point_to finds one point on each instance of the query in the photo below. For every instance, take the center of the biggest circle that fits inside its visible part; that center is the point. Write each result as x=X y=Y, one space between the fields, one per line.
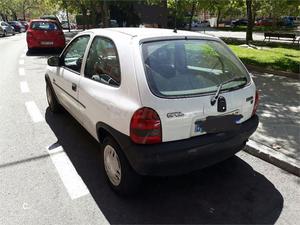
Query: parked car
x=204 y=23
x=17 y=25
x=65 y=25
x=264 y=22
x=52 y=17
x=45 y=34
x=6 y=29
x=287 y=21
x=157 y=106
x=240 y=22
x=25 y=24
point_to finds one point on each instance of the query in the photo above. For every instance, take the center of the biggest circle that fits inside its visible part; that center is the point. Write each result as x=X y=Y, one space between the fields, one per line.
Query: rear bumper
x=179 y=157
x=32 y=43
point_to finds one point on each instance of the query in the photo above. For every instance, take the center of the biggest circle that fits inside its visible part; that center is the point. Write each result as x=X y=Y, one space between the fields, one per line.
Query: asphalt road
x=40 y=184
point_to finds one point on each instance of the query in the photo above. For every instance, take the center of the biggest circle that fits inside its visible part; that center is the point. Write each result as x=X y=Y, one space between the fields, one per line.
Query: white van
x=160 y=102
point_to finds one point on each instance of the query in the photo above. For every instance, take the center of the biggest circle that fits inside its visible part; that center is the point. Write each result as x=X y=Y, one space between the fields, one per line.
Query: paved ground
x=35 y=189
x=279 y=112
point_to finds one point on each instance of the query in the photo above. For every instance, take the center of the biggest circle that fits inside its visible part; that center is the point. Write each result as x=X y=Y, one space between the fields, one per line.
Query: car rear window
x=40 y=25
x=190 y=67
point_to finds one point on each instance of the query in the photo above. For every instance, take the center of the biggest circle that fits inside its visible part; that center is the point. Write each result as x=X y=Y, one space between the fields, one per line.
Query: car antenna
x=175 y=19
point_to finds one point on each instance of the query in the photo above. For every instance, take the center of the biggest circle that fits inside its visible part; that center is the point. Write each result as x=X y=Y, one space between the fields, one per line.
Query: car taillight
x=255 y=103
x=145 y=127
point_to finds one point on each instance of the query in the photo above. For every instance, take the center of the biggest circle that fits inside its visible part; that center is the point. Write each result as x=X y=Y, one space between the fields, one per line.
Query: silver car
x=6 y=29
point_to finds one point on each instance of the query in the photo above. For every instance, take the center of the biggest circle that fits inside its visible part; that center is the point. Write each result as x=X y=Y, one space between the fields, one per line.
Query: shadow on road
x=230 y=192
x=44 y=53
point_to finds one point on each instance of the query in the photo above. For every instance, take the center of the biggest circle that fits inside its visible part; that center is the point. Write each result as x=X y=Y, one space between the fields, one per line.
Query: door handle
x=74 y=87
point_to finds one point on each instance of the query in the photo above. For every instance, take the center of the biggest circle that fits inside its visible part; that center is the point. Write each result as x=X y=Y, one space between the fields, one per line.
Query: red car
x=45 y=34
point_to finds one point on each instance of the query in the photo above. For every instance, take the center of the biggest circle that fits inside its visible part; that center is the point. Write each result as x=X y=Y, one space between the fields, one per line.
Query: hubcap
x=112 y=165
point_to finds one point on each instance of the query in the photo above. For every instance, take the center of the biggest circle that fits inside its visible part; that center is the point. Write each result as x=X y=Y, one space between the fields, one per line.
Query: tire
x=119 y=174
x=52 y=99
x=4 y=34
x=13 y=33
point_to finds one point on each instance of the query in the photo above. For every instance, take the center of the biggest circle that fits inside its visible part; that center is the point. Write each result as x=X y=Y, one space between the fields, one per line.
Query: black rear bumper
x=178 y=157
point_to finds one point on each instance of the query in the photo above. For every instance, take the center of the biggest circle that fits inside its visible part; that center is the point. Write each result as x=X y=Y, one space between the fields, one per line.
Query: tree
x=250 y=21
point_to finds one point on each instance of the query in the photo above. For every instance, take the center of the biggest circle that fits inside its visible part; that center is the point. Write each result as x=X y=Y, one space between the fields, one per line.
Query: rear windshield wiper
x=216 y=96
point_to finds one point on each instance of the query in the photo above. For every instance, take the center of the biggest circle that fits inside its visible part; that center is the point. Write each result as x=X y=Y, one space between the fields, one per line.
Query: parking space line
x=21 y=61
x=34 y=112
x=21 y=71
x=72 y=181
x=23 y=56
x=24 y=87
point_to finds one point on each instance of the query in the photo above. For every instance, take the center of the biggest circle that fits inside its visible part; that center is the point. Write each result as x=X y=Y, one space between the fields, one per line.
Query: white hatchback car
x=160 y=103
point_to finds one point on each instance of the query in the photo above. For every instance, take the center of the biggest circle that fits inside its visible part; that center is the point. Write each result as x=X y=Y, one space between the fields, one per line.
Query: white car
x=160 y=102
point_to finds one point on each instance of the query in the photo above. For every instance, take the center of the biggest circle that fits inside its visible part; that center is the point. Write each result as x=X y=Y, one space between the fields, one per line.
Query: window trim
x=63 y=54
x=117 y=54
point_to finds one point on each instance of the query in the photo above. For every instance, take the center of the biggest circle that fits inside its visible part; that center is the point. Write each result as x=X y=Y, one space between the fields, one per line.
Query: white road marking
x=23 y=56
x=24 y=87
x=21 y=71
x=21 y=61
x=34 y=112
x=68 y=174
x=25 y=50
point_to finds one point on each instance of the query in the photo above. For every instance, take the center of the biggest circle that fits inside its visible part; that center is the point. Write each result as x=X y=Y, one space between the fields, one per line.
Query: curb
x=272 y=156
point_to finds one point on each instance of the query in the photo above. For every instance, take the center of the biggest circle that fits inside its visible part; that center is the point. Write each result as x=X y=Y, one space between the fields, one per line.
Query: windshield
x=190 y=67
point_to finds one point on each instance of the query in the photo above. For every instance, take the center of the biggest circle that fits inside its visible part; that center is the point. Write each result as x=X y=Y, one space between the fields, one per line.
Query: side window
x=102 y=64
x=74 y=54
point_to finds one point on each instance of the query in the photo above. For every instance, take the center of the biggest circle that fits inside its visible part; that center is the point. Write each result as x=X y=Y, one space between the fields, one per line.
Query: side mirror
x=54 y=61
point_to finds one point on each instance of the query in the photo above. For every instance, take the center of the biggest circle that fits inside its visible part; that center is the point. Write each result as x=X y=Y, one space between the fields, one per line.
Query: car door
x=99 y=86
x=68 y=76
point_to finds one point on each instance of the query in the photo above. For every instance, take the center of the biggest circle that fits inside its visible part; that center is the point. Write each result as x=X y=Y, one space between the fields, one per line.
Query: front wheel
x=121 y=177
x=4 y=34
x=52 y=101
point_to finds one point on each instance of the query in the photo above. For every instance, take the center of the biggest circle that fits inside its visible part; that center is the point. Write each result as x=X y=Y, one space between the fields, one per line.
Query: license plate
x=47 y=43
x=216 y=124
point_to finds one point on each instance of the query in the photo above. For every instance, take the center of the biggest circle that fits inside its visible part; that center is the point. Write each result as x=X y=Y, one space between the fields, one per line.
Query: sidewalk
x=277 y=138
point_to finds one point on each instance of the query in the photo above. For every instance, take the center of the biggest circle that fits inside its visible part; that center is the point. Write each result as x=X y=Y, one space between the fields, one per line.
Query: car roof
x=43 y=20
x=146 y=33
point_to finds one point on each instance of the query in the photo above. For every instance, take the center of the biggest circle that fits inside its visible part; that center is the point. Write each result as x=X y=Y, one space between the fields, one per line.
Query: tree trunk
x=218 y=17
x=105 y=14
x=250 y=22
x=192 y=15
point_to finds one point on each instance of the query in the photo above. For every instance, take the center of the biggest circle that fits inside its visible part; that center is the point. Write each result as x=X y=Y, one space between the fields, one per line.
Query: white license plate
x=47 y=43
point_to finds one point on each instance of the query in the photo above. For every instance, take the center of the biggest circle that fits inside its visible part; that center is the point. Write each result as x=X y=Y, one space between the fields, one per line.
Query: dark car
x=240 y=22
x=6 y=29
x=18 y=26
x=25 y=24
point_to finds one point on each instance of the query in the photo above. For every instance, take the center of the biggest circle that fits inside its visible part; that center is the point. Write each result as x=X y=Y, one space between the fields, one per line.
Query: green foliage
x=277 y=58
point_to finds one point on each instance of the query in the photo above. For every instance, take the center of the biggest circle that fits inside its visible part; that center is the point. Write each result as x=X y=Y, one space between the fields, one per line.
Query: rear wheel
x=121 y=177
x=52 y=101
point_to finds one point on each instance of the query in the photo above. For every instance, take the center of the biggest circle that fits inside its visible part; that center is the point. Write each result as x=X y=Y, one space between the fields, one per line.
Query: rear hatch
x=46 y=33
x=195 y=86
